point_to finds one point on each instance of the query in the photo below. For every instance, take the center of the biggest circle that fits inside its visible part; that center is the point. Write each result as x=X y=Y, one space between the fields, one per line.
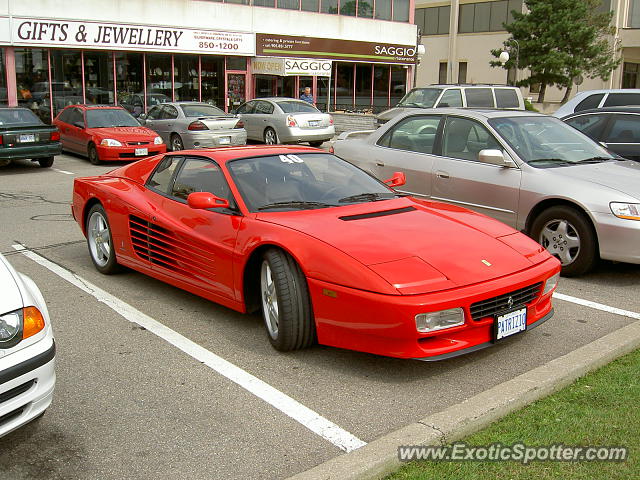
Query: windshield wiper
x=367 y=197
x=596 y=160
x=555 y=161
x=295 y=204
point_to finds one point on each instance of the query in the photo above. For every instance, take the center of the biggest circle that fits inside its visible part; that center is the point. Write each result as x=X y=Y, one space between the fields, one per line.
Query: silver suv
x=472 y=96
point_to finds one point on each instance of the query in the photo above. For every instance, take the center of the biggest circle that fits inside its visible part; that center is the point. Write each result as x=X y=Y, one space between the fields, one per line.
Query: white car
x=590 y=99
x=27 y=350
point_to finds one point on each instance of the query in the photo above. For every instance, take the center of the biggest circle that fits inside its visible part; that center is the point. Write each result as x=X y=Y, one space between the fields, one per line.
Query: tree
x=559 y=40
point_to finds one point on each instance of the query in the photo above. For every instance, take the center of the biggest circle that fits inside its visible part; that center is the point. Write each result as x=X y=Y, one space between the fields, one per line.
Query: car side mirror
x=495 y=157
x=397 y=180
x=142 y=117
x=204 y=200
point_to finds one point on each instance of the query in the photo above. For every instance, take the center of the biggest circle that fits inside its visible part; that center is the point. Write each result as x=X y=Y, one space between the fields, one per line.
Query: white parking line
x=597 y=306
x=287 y=405
x=62 y=171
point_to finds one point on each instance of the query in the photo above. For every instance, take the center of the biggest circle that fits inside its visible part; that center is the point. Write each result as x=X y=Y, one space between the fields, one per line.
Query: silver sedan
x=530 y=171
x=194 y=125
x=285 y=120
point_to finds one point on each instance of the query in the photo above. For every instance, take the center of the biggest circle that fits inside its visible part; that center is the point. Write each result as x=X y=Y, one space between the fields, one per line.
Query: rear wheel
x=316 y=144
x=100 y=241
x=569 y=236
x=176 y=142
x=286 y=305
x=93 y=155
x=45 y=162
x=270 y=136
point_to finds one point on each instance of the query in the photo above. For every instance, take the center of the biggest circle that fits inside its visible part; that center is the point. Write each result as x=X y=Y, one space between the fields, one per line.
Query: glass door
x=236 y=90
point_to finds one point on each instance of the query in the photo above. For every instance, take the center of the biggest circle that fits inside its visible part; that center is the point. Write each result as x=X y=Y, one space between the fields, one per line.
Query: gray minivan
x=472 y=96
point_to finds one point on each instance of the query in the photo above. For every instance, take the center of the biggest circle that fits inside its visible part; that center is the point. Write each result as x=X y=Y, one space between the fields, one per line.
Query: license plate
x=314 y=123
x=27 y=138
x=141 y=151
x=510 y=323
x=224 y=140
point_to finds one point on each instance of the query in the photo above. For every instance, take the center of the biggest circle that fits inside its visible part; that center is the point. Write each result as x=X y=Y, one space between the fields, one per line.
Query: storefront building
x=144 y=53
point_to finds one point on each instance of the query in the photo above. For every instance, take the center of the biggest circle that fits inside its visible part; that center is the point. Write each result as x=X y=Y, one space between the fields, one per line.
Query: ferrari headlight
x=110 y=142
x=629 y=211
x=551 y=284
x=157 y=141
x=429 y=322
x=10 y=327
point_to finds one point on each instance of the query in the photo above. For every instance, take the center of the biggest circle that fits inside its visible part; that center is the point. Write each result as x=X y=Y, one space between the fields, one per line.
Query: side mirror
x=397 y=180
x=142 y=117
x=204 y=200
x=495 y=157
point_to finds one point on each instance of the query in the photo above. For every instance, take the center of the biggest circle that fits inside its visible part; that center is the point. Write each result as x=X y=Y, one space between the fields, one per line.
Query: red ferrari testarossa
x=325 y=251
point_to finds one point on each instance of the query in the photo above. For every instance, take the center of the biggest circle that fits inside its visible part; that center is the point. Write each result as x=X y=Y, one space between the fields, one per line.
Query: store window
x=344 y=86
x=329 y=6
x=66 y=79
x=401 y=10
x=398 y=83
x=159 y=75
x=237 y=63
x=130 y=83
x=212 y=81
x=487 y=16
x=363 y=86
x=289 y=4
x=383 y=9
x=322 y=93
x=365 y=8
x=98 y=77
x=380 y=88
x=185 y=80
x=32 y=81
x=4 y=97
x=442 y=73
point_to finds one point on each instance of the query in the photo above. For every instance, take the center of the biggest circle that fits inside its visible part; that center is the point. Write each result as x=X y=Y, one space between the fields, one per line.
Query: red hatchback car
x=106 y=133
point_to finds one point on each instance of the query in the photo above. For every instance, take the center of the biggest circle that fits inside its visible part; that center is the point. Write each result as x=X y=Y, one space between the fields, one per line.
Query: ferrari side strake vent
x=491 y=306
x=162 y=247
x=382 y=213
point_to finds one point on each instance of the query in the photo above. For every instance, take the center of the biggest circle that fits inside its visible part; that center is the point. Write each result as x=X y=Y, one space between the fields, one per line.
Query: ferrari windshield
x=110 y=117
x=420 y=98
x=303 y=181
x=547 y=141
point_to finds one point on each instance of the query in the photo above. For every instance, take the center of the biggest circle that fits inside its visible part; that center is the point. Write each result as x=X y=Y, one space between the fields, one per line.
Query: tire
x=45 y=162
x=569 y=236
x=270 y=136
x=316 y=144
x=176 y=142
x=94 y=158
x=286 y=305
x=100 y=241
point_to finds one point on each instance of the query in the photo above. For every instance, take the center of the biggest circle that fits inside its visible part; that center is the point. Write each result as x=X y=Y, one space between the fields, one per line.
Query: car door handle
x=380 y=164
x=440 y=174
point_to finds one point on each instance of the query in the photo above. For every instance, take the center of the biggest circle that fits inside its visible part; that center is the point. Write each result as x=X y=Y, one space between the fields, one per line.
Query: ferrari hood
x=419 y=246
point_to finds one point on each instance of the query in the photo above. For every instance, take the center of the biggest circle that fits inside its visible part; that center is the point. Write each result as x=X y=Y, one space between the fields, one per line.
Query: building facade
x=459 y=34
x=137 y=53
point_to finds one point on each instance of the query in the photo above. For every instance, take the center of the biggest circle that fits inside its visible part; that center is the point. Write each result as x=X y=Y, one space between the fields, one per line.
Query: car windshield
x=547 y=141
x=303 y=181
x=18 y=116
x=294 y=106
x=420 y=98
x=110 y=117
x=203 y=110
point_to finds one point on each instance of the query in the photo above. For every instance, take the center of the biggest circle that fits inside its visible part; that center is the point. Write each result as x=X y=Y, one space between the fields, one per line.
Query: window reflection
x=383 y=9
x=129 y=82
x=212 y=81
x=66 y=84
x=32 y=81
x=186 y=78
x=98 y=77
x=159 y=74
x=4 y=98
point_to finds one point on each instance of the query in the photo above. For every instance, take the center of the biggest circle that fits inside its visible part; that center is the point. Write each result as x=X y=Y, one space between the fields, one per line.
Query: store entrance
x=236 y=90
x=274 y=86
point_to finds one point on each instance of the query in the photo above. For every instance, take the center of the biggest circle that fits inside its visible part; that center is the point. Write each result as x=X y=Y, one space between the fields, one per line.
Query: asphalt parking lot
x=138 y=402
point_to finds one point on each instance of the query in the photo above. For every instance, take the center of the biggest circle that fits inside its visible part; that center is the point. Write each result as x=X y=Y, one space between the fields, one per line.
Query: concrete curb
x=379 y=458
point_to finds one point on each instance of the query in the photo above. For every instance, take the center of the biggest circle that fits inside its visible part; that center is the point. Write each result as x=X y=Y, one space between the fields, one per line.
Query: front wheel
x=45 y=162
x=94 y=158
x=270 y=136
x=176 y=142
x=568 y=235
x=100 y=241
x=286 y=305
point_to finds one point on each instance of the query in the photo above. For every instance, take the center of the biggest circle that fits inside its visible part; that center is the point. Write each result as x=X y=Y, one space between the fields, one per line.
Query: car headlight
x=429 y=322
x=110 y=142
x=629 y=211
x=157 y=140
x=551 y=284
x=19 y=324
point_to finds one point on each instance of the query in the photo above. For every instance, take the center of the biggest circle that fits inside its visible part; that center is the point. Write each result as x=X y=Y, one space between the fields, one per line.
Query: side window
x=161 y=178
x=464 y=138
x=625 y=129
x=414 y=134
x=154 y=113
x=591 y=125
x=451 y=98
x=169 y=112
x=64 y=116
x=620 y=99
x=506 y=98
x=76 y=117
x=592 y=101
x=246 y=108
x=479 y=97
x=200 y=175
x=264 y=108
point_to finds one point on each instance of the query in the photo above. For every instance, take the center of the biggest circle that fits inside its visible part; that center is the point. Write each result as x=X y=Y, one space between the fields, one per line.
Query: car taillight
x=291 y=121
x=197 y=125
x=330 y=120
x=240 y=124
x=55 y=136
x=1 y=140
x=331 y=149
